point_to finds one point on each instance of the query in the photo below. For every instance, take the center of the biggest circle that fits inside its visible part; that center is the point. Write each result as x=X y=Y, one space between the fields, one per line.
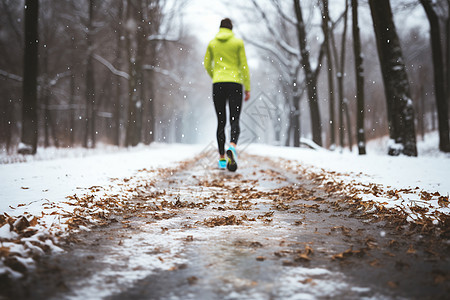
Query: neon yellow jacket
x=225 y=59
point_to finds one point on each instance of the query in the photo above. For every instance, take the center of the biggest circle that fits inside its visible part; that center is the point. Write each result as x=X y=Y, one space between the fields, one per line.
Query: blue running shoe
x=222 y=164
x=232 y=159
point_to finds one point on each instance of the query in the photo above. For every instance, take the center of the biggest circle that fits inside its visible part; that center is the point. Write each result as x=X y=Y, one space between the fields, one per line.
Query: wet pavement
x=262 y=232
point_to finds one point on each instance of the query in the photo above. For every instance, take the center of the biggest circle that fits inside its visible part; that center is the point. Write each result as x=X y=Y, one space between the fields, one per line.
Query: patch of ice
x=305 y=283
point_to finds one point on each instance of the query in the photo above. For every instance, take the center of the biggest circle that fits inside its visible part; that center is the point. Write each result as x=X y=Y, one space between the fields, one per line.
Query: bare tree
x=90 y=133
x=439 y=75
x=72 y=96
x=134 y=64
x=447 y=34
x=310 y=75
x=118 y=79
x=340 y=74
x=288 y=64
x=399 y=103
x=29 y=104
x=327 y=32
x=359 y=74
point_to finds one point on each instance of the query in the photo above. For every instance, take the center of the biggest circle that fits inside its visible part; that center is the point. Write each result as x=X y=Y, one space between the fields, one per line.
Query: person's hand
x=247 y=95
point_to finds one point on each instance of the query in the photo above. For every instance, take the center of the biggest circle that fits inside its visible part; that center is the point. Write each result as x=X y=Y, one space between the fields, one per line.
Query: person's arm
x=245 y=71
x=207 y=62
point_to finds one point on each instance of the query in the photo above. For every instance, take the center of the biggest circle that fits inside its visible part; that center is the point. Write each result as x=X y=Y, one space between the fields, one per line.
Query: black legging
x=223 y=91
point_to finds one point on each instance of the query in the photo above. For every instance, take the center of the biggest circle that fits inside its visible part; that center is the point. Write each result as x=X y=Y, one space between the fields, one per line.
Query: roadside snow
x=42 y=198
x=417 y=186
x=29 y=186
x=427 y=173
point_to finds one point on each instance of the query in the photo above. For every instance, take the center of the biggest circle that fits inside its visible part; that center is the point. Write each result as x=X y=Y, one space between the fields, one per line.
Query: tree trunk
x=447 y=34
x=44 y=96
x=72 y=107
x=289 y=125
x=7 y=123
x=311 y=80
x=359 y=73
x=326 y=33
x=141 y=83
x=422 y=111
x=349 y=125
x=53 y=129
x=90 y=84
x=340 y=69
x=10 y=120
x=150 y=113
x=340 y=78
x=30 y=73
x=72 y=96
x=133 y=132
x=396 y=84
x=45 y=99
x=439 y=76
x=296 y=120
x=91 y=78
x=117 y=104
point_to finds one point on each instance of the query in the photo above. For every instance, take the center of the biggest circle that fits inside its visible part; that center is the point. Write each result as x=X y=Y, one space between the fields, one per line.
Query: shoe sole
x=231 y=163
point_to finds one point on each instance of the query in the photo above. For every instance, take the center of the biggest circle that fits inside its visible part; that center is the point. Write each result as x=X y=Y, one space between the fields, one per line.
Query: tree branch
x=111 y=67
x=285 y=46
x=163 y=71
x=11 y=76
x=282 y=14
x=269 y=49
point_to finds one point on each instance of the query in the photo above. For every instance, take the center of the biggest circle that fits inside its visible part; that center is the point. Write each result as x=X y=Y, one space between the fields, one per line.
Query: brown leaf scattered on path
x=411 y=250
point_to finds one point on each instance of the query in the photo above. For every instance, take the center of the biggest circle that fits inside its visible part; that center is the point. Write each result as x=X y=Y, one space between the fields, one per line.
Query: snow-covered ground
x=54 y=174
x=43 y=180
x=394 y=182
x=51 y=184
x=429 y=172
x=54 y=194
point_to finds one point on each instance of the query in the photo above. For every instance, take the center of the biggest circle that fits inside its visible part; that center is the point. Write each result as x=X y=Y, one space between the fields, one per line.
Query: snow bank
x=417 y=186
x=41 y=199
x=29 y=186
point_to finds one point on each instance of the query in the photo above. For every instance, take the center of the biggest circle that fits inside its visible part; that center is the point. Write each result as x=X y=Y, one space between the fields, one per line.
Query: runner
x=226 y=63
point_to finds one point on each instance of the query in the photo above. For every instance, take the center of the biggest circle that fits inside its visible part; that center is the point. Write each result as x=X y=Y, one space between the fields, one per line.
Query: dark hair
x=226 y=23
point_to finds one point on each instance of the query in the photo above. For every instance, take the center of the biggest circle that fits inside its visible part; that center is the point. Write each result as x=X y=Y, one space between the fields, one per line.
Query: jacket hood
x=224 y=34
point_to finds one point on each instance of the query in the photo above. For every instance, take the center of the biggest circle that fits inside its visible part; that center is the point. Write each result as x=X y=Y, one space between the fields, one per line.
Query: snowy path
x=260 y=233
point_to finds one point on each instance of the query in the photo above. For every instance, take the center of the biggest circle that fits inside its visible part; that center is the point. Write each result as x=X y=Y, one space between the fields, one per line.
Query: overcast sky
x=203 y=17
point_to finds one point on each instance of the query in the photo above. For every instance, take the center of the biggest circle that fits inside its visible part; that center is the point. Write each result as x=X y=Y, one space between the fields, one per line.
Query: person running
x=226 y=64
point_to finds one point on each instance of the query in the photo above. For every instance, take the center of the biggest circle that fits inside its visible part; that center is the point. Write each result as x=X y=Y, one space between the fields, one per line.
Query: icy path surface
x=260 y=233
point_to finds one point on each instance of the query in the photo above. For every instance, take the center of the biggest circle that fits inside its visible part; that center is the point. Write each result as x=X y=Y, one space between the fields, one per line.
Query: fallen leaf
x=443 y=201
x=344 y=254
x=192 y=280
x=392 y=284
x=309 y=250
x=288 y=263
x=411 y=250
x=302 y=257
x=375 y=263
x=393 y=243
x=389 y=254
x=308 y=281
x=34 y=221
x=439 y=278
